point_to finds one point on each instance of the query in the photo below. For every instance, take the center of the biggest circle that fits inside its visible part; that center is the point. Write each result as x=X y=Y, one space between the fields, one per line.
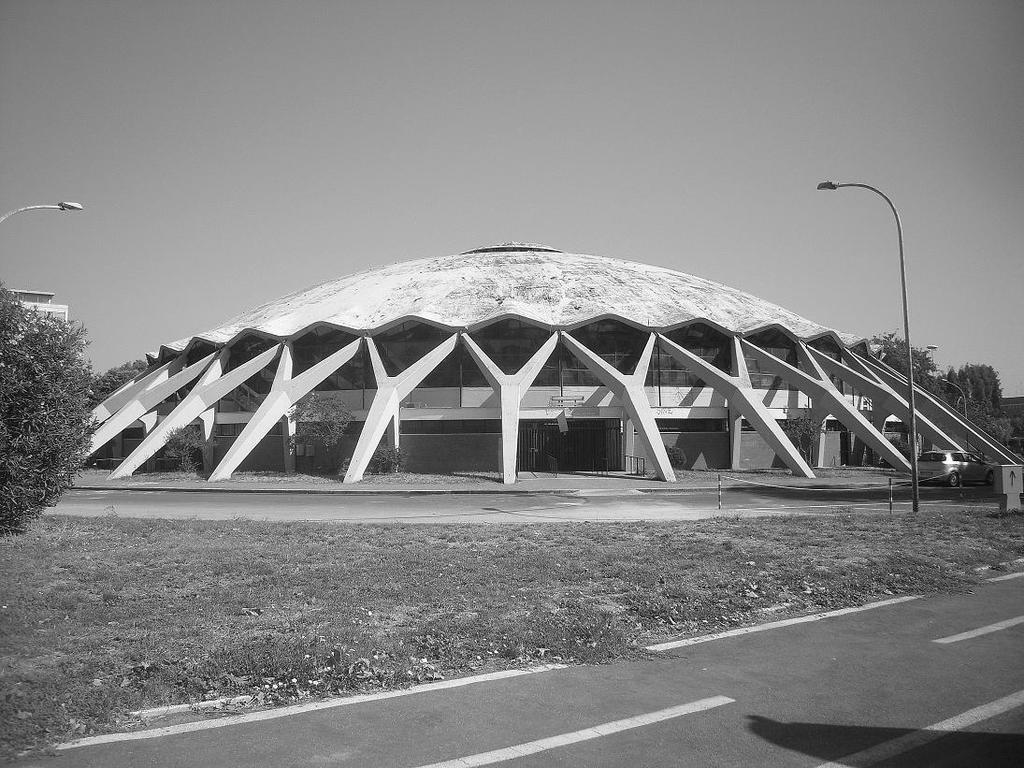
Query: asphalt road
x=594 y=505
x=868 y=688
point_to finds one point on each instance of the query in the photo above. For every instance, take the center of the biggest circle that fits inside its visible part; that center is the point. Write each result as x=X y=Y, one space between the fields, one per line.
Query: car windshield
x=933 y=456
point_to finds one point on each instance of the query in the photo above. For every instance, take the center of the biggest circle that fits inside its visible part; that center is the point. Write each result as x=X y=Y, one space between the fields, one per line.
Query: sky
x=228 y=152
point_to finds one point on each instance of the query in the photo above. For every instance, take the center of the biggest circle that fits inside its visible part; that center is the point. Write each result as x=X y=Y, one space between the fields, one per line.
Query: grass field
x=104 y=616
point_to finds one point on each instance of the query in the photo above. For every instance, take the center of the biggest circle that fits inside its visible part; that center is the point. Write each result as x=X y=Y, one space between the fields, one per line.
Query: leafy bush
x=802 y=431
x=676 y=455
x=386 y=460
x=321 y=419
x=45 y=423
x=186 y=445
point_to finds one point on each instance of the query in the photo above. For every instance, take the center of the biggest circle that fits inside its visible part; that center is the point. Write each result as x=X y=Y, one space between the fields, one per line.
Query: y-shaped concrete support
x=145 y=401
x=884 y=400
x=827 y=399
x=285 y=392
x=939 y=412
x=741 y=397
x=629 y=389
x=131 y=389
x=510 y=388
x=211 y=387
x=391 y=390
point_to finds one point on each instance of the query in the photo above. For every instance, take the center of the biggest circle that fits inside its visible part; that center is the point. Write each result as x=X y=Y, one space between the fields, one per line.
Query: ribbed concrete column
x=629 y=389
x=827 y=400
x=285 y=392
x=212 y=386
x=146 y=400
x=391 y=390
x=628 y=438
x=510 y=388
x=939 y=412
x=884 y=400
x=130 y=390
x=741 y=396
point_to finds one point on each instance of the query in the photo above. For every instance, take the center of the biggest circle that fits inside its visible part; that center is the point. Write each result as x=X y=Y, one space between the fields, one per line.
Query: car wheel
x=953 y=481
x=990 y=478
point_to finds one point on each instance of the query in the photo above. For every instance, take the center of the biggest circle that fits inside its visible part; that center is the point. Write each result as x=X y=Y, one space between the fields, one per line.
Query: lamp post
x=831 y=185
x=66 y=205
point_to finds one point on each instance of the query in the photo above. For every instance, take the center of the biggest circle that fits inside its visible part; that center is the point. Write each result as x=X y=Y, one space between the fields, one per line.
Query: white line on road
x=297 y=709
x=777 y=624
x=889 y=749
x=990 y=628
x=605 y=729
x=1007 y=576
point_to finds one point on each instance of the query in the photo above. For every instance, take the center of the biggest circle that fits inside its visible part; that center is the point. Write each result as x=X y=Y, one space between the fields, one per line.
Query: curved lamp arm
x=67 y=205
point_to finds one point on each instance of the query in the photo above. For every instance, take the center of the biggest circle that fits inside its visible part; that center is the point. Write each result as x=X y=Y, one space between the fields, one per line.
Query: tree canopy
x=105 y=384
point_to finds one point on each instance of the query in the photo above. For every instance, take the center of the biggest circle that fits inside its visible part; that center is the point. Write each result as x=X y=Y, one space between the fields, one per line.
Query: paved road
x=868 y=688
x=594 y=505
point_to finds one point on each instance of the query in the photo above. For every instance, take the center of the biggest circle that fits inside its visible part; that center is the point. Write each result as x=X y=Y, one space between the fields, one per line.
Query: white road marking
x=297 y=709
x=777 y=624
x=564 y=739
x=889 y=749
x=1007 y=576
x=986 y=630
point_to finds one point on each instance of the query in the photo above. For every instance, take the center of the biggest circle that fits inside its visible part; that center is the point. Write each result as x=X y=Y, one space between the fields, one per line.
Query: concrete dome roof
x=533 y=282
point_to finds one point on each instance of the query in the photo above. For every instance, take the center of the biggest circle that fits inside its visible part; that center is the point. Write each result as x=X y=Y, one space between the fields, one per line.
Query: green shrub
x=386 y=460
x=676 y=456
x=186 y=446
x=45 y=423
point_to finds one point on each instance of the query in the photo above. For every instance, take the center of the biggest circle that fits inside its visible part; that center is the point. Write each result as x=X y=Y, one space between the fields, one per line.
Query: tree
x=980 y=383
x=892 y=350
x=45 y=420
x=323 y=419
x=104 y=385
x=802 y=431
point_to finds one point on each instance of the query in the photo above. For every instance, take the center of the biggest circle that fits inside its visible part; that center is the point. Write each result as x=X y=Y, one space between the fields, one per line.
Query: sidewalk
x=407 y=483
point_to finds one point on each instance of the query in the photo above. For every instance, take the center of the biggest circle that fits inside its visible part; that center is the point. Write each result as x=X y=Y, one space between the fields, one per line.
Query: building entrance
x=590 y=445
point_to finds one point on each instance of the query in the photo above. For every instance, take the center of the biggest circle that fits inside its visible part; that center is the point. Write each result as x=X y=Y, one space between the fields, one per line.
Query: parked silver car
x=955 y=468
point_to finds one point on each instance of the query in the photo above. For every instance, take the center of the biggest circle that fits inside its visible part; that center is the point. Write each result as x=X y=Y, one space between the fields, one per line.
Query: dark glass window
x=700 y=339
x=619 y=344
x=246 y=348
x=321 y=343
x=828 y=346
x=510 y=343
x=404 y=344
x=452 y=427
x=198 y=351
x=774 y=342
x=691 y=425
x=564 y=369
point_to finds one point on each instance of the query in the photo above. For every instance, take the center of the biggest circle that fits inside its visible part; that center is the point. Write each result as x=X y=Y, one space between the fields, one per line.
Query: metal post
x=719 y=490
x=906 y=332
x=890 y=497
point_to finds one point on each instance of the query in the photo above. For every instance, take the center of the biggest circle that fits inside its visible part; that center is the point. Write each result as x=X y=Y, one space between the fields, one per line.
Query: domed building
x=521 y=358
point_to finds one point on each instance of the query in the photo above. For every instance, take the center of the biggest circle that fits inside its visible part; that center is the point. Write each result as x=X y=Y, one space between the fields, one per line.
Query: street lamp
x=831 y=185
x=66 y=205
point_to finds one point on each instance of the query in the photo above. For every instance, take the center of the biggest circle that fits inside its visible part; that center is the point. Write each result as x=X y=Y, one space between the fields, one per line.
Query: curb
x=453 y=491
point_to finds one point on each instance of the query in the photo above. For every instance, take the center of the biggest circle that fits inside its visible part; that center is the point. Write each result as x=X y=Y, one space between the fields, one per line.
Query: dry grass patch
x=103 y=616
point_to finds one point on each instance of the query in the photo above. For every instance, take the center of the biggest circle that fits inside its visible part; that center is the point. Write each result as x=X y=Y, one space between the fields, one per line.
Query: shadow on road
x=833 y=742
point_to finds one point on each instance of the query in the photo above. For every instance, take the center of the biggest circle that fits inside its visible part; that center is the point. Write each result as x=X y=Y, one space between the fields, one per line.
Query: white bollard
x=1009 y=479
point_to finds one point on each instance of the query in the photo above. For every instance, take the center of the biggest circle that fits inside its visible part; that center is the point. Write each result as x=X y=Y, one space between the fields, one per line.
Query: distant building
x=1013 y=406
x=41 y=301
